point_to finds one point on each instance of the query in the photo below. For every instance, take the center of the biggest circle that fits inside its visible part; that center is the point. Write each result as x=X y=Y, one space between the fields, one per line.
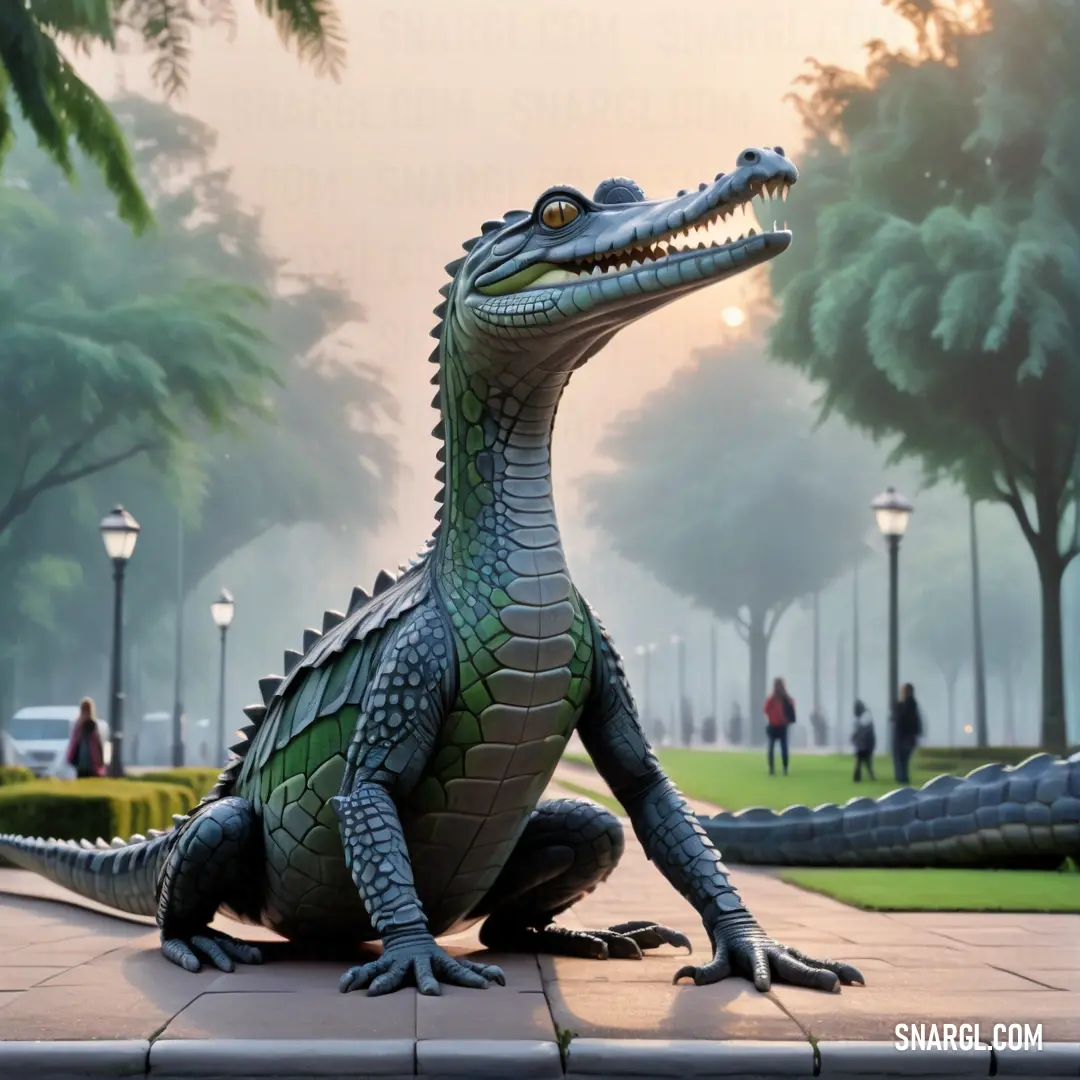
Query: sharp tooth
x=728 y=240
x=596 y=271
x=701 y=247
x=752 y=232
x=742 y=236
x=714 y=244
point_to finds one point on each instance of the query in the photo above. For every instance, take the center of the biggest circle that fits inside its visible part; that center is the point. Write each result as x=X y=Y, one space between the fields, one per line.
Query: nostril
x=780 y=151
x=749 y=157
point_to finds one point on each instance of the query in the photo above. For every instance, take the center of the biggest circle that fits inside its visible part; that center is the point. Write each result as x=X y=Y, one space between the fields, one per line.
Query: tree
x=60 y=108
x=725 y=494
x=932 y=290
x=94 y=371
x=318 y=456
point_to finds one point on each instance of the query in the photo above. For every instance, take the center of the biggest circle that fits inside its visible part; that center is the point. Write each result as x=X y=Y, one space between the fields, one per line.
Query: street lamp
x=221 y=611
x=119 y=531
x=892 y=512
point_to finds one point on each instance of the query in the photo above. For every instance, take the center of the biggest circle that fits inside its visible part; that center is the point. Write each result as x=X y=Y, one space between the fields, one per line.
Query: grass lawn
x=943 y=890
x=734 y=779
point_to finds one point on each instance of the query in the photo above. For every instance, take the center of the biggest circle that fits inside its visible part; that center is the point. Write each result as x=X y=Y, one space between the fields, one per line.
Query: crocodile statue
x=997 y=817
x=388 y=786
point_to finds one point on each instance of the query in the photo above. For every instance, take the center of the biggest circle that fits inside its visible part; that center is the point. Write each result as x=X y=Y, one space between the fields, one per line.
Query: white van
x=37 y=738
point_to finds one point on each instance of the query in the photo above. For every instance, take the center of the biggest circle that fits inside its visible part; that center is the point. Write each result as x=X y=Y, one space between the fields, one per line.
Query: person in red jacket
x=780 y=711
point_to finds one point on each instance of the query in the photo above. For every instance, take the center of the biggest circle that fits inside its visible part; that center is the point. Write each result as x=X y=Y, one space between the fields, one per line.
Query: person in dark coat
x=907 y=730
x=85 y=753
x=864 y=740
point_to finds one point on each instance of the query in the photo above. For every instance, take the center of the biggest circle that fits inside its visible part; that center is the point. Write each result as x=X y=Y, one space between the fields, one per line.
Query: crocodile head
x=560 y=280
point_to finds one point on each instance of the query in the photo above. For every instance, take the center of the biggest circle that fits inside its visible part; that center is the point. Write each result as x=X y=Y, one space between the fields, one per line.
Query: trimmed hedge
x=15 y=774
x=198 y=778
x=87 y=809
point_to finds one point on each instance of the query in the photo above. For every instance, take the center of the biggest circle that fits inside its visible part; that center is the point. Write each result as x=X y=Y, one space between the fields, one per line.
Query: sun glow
x=733 y=316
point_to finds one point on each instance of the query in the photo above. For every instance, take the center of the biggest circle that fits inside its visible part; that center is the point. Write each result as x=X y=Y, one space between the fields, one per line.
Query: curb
x=68 y=1060
x=456 y=1059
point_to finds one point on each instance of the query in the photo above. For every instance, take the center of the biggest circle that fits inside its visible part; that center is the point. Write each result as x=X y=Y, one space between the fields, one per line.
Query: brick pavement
x=70 y=971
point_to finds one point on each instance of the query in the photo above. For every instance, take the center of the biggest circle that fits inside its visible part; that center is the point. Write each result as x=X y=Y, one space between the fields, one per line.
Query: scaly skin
x=389 y=787
x=996 y=817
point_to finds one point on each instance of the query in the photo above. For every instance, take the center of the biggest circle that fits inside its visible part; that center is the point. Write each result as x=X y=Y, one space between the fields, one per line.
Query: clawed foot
x=422 y=965
x=743 y=948
x=220 y=949
x=622 y=942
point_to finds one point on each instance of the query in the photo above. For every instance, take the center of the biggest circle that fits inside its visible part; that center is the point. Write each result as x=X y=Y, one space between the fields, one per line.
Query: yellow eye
x=558 y=212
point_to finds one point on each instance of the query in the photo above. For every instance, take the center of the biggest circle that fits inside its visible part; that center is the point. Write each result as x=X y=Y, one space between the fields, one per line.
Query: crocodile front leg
x=675 y=841
x=401 y=712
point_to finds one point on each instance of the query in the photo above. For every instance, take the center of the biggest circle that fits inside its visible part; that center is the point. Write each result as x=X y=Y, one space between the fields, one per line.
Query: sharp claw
x=687 y=972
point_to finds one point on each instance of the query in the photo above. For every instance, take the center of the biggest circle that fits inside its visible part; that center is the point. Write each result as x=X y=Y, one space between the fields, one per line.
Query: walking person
x=907 y=730
x=84 y=753
x=864 y=739
x=780 y=711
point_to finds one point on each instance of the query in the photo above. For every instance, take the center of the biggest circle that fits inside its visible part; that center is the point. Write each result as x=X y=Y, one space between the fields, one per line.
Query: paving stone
x=301 y=1015
x=281 y=977
x=282 y=1059
x=732 y=1009
x=872 y=1012
x=100 y=1003
x=479 y=1058
x=460 y=1013
x=22 y=978
x=73 y=1058
x=652 y=968
x=850 y=1060
x=999 y=936
x=630 y=1058
x=521 y=970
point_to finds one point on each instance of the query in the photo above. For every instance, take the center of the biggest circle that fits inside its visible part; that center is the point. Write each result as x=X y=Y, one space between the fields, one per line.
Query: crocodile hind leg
x=211 y=864
x=568 y=848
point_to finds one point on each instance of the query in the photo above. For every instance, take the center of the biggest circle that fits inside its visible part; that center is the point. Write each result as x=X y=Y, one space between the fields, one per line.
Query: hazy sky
x=451 y=112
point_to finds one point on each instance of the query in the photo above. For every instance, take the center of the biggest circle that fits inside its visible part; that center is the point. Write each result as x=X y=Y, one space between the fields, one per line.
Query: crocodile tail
x=995 y=817
x=120 y=875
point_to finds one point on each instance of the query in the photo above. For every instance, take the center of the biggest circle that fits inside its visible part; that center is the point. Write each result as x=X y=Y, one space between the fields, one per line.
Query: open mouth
x=709 y=234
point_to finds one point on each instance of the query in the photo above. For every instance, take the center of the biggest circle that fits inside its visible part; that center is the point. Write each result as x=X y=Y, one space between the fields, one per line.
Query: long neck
x=498 y=499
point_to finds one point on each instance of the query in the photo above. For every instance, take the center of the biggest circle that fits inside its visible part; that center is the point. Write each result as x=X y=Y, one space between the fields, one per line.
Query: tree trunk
x=1009 y=690
x=978 y=664
x=1051 y=572
x=758 y=644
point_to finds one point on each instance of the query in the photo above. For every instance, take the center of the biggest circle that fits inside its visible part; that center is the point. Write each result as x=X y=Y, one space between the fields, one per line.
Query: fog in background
x=451 y=114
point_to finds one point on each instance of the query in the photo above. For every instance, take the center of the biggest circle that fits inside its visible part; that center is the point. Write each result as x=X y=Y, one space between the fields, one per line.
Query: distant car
x=37 y=737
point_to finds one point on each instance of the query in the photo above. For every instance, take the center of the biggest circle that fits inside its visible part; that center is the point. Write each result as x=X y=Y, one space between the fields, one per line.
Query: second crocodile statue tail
x=1023 y=816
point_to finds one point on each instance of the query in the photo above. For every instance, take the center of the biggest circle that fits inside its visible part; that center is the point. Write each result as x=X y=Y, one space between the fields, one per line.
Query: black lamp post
x=119 y=530
x=222 y=611
x=892 y=511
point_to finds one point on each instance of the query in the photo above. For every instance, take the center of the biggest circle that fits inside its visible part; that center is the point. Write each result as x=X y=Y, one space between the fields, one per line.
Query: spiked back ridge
x=440 y=312
x=270 y=685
